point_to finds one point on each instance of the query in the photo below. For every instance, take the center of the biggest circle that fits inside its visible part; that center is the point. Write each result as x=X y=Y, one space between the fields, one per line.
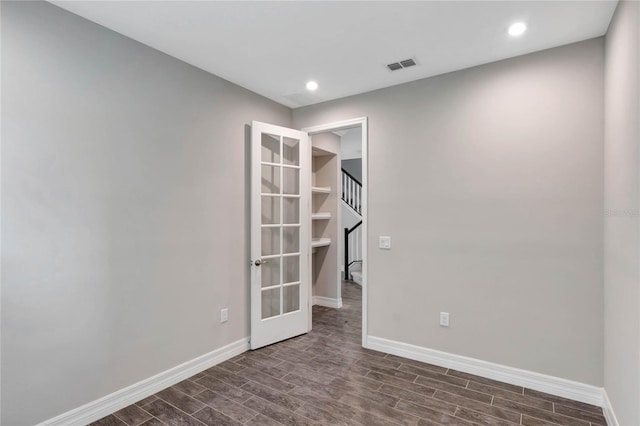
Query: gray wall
x=353 y=167
x=622 y=214
x=490 y=182
x=123 y=182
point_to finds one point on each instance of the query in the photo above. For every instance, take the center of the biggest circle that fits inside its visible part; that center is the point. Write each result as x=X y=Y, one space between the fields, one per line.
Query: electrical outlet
x=224 y=315
x=384 y=243
x=444 y=319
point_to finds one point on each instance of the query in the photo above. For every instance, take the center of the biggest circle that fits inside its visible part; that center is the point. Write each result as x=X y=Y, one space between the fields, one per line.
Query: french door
x=280 y=228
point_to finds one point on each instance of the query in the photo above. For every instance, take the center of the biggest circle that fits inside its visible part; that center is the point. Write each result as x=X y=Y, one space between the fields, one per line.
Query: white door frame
x=338 y=125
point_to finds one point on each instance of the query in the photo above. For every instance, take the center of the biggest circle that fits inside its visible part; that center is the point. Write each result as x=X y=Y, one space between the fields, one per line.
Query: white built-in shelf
x=321 y=189
x=321 y=216
x=318 y=152
x=320 y=242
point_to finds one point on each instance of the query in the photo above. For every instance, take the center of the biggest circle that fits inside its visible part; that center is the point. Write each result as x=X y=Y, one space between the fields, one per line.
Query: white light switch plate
x=444 y=319
x=384 y=243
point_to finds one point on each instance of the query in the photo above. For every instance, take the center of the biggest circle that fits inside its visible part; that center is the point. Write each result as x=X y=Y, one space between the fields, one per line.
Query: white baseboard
x=607 y=409
x=106 y=405
x=541 y=382
x=327 y=301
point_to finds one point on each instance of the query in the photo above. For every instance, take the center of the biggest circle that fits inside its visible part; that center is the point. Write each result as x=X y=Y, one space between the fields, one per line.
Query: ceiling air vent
x=406 y=63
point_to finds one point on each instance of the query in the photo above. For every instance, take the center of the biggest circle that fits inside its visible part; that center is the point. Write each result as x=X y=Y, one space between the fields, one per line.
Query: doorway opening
x=339 y=226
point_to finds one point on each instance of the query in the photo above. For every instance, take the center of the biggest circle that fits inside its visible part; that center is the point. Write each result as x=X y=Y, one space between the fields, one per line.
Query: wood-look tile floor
x=326 y=377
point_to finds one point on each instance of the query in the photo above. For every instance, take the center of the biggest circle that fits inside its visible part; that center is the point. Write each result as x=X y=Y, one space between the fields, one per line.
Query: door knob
x=260 y=262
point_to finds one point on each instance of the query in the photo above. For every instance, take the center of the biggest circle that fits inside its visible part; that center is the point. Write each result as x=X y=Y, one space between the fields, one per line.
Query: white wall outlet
x=224 y=315
x=384 y=243
x=444 y=319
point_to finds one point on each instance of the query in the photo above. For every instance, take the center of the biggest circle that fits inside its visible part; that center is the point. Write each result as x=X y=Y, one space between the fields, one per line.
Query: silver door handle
x=260 y=262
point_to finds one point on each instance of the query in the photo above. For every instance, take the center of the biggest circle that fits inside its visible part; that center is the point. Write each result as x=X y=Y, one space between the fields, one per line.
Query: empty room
x=320 y=213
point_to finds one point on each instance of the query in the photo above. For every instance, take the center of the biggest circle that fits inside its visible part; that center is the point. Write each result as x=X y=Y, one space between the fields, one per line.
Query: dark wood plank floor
x=326 y=377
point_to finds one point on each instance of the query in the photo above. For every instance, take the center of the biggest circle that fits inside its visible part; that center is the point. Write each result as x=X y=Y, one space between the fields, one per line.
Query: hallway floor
x=326 y=377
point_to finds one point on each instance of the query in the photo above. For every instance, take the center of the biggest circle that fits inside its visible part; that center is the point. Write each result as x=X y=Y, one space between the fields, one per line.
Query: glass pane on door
x=271 y=273
x=271 y=241
x=291 y=269
x=291 y=207
x=291 y=298
x=291 y=180
x=270 y=148
x=270 y=179
x=270 y=210
x=291 y=151
x=291 y=239
x=270 y=302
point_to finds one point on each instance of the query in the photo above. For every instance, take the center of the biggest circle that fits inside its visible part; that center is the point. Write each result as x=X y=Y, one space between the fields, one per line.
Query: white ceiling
x=274 y=48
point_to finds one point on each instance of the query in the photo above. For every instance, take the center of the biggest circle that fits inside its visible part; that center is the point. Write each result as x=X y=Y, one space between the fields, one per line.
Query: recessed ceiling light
x=312 y=86
x=517 y=29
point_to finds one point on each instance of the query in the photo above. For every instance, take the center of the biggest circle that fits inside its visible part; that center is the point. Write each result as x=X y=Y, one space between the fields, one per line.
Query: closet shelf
x=321 y=216
x=321 y=189
x=320 y=242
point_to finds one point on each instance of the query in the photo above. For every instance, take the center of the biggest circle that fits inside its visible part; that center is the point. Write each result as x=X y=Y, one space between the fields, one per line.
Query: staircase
x=352 y=217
